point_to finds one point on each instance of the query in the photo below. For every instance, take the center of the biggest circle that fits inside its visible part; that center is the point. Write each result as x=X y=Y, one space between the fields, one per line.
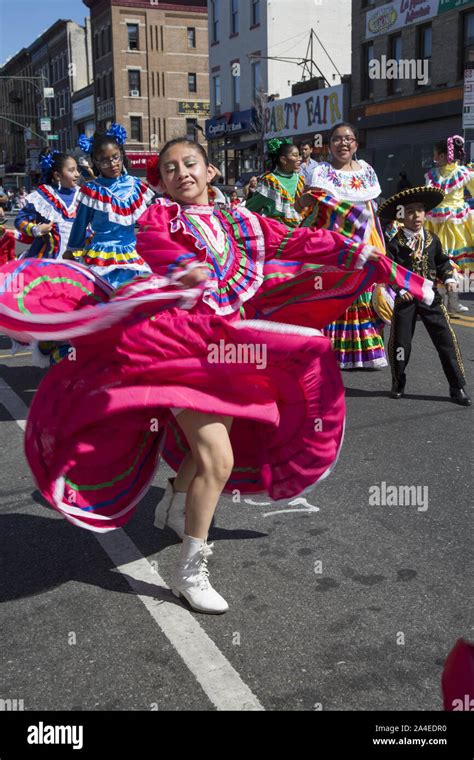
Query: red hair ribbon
x=152 y=171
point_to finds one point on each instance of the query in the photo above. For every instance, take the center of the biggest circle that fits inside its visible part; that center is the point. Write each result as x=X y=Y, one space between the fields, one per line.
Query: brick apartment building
x=401 y=119
x=18 y=98
x=59 y=59
x=151 y=69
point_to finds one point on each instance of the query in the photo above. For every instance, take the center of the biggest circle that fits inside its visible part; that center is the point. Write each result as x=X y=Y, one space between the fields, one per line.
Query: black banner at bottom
x=136 y=734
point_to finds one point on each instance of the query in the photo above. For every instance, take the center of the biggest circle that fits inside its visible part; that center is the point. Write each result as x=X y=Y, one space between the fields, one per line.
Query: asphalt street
x=335 y=603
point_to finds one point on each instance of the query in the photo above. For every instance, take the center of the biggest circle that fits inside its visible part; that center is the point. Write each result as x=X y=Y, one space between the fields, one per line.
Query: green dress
x=275 y=197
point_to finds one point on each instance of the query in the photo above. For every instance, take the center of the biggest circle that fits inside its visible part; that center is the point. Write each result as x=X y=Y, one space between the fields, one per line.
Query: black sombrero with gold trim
x=429 y=196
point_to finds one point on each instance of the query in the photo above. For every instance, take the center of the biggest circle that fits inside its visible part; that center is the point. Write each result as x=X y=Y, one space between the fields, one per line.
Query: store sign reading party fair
x=313 y=111
x=400 y=13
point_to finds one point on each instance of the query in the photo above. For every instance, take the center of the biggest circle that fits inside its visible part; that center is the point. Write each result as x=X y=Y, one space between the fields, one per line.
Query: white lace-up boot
x=191 y=578
x=170 y=511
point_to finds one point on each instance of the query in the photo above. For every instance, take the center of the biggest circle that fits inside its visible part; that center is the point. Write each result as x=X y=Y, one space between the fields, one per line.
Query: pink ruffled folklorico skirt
x=101 y=418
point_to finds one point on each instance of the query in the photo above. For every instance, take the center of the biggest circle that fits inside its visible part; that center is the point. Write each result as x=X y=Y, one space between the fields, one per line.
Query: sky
x=23 y=21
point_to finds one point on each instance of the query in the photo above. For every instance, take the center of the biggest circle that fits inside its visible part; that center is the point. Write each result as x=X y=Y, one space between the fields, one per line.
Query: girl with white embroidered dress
x=46 y=220
x=342 y=198
x=48 y=215
x=109 y=205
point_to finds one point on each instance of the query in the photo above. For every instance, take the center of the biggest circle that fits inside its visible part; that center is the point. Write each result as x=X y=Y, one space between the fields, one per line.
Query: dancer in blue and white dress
x=109 y=207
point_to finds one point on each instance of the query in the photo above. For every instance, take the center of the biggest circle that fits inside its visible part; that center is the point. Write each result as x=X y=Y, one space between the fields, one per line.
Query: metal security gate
x=405 y=148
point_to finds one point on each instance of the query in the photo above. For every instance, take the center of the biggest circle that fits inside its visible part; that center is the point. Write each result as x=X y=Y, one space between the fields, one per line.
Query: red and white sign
x=139 y=160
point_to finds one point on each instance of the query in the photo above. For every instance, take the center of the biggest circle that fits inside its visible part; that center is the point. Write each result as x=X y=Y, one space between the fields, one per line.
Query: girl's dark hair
x=100 y=140
x=59 y=162
x=283 y=150
x=345 y=124
x=182 y=141
x=458 y=148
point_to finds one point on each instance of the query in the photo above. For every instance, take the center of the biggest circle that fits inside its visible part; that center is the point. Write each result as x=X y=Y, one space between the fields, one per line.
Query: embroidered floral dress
x=453 y=220
x=110 y=208
x=345 y=203
x=47 y=204
x=243 y=344
x=275 y=197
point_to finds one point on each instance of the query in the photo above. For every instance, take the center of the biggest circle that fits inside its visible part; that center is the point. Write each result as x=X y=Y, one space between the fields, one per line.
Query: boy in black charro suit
x=420 y=251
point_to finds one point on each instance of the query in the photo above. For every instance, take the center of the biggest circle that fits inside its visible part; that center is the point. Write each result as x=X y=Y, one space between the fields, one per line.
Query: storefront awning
x=243 y=145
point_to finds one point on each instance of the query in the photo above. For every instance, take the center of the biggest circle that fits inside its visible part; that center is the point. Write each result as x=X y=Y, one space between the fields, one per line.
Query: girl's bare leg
x=185 y=474
x=208 y=439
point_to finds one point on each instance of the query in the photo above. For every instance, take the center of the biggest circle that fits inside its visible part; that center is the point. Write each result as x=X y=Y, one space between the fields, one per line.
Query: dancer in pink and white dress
x=215 y=362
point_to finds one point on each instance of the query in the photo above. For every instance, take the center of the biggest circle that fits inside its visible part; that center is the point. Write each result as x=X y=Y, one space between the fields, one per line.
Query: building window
x=256 y=78
x=426 y=41
x=235 y=69
x=134 y=88
x=132 y=31
x=191 y=125
x=395 y=85
x=191 y=37
x=97 y=46
x=136 y=128
x=102 y=41
x=255 y=12
x=234 y=16
x=192 y=83
x=468 y=42
x=425 y=50
x=215 y=12
x=109 y=38
x=217 y=93
x=367 y=82
x=111 y=84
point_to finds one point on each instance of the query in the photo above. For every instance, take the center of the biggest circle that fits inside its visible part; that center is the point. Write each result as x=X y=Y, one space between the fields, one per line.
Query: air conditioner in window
x=134 y=93
x=62 y=111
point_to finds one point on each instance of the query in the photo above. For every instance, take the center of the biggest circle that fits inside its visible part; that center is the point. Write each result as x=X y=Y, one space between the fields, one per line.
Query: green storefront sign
x=451 y=5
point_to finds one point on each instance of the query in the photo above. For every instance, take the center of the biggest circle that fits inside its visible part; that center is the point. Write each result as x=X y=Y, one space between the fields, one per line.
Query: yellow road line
x=13 y=356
